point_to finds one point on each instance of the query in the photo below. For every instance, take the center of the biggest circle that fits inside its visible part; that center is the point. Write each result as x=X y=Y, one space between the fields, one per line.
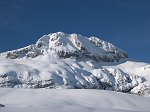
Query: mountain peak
x=71 y=46
x=75 y=45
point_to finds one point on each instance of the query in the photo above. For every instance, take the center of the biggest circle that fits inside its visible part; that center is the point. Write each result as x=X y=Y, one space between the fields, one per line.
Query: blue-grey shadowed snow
x=125 y=23
x=2 y=105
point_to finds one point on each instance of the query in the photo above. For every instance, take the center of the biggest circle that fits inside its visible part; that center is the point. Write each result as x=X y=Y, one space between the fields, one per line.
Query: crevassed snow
x=66 y=100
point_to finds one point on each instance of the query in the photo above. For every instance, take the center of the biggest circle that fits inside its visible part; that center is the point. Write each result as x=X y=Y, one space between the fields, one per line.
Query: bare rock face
x=142 y=89
x=29 y=51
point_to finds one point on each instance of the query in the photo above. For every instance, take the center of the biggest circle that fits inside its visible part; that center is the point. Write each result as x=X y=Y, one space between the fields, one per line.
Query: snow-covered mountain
x=60 y=60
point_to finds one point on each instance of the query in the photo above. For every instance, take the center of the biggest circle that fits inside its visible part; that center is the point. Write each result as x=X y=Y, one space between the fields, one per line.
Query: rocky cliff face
x=60 y=60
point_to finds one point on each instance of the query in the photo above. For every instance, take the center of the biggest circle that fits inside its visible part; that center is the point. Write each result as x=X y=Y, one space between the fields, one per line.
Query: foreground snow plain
x=70 y=100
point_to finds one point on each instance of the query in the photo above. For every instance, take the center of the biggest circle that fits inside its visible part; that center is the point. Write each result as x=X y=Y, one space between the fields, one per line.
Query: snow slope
x=70 y=100
x=60 y=60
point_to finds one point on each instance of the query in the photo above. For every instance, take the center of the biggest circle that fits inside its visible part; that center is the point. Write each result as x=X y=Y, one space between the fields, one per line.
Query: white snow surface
x=70 y=100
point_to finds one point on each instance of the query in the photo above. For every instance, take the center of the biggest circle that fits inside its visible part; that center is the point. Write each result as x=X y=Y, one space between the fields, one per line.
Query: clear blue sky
x=125 y=23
